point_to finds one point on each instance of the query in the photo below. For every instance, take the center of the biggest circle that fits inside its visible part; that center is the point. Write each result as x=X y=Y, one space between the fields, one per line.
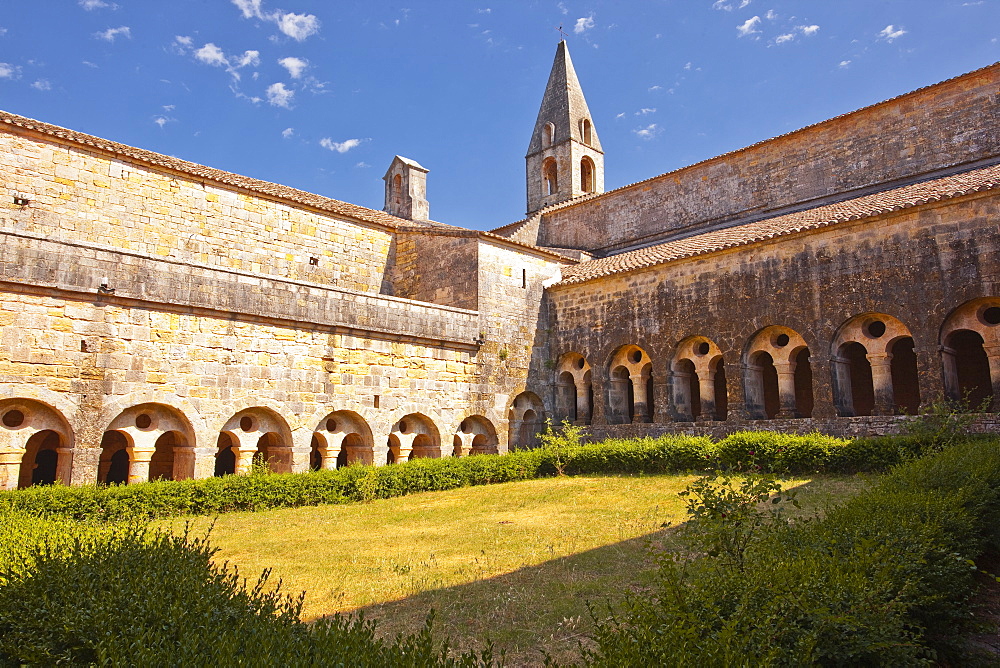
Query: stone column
x=10 y=467
x=786 y=389
x=330 y=451
x=843 y=397
x=138 y=464
x=244 y=449
x=405 y=446
x=664 y=402
x=885 y=401
x=993 y=355
x=706 y=387
x=582 y=403
x=64 y=465
x=640 y=412
x=683 y=402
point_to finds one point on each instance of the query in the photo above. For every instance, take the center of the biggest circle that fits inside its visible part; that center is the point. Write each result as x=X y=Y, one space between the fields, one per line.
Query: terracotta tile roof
x=275 y=190
x=977 y=180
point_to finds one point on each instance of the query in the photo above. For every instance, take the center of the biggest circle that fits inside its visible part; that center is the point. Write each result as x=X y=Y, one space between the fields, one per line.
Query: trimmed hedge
x=883 y=579
x=73 y=594
x=743 y=451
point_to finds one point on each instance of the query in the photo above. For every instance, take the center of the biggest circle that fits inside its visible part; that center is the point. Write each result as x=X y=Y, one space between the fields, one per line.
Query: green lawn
x=514 y=563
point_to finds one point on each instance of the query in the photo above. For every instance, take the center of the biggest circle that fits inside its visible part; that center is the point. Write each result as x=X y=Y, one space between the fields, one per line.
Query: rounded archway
x=36 y=444
x=148 y=441
x=414 y=436
x=475 y=436
x=254 y=436
x=525 y=420
x=630 y=386
x=574 y=396
x=698 y=380
x=777 y=382
x=874 y=367
x=970 y=354
x=342 y=438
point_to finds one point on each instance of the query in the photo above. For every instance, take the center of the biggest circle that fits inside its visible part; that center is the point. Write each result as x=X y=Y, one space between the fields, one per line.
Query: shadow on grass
x=542 y=607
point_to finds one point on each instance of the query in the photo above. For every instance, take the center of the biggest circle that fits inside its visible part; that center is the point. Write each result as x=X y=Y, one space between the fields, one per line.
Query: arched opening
x=112 y=468
x=630 y=386
x=859 y=370
x=548 y=132
x=315 y=456
x=161 y=465
x=721 y=391
x=456 y=446
x=687 y=393
x=586 y=131
x=393 y=449
x=971 y=367
x=480 y=445
x=566 y=392
x=803 y=384
x=476 y=436
x=423 y=447
x=269 y=453
x=397 y=189
x=40 y=461
x=550 y=177
x=586 y=174
x=905 y=387
x=528 y=435
x=574 y=389
x=769 y=384
x=225 y=456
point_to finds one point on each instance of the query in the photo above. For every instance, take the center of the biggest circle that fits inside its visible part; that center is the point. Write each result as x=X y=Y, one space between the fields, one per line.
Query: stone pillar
x=843 y=397
x=244 y=459
x=822 y=388
x=331 y=450
x=10 y=467
x=138 y=463
x=64 y=465
x=184 y=459
x=786 y=389
x=993 y=355
x=706 y=386
x=885 y=401
x=640 y=412
x=663 y=402
x=582 y=404
x=405 y=446
x=683 y=403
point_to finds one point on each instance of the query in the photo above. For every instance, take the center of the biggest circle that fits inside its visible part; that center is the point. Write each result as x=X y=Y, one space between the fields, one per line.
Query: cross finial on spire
x=563 y=33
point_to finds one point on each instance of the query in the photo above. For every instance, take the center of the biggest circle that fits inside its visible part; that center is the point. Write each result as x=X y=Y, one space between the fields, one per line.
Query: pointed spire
x=563 y=105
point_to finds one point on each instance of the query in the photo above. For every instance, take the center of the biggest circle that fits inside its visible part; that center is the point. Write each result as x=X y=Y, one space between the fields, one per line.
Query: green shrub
x=128 y=596
x=883 y=579
x=775 y=452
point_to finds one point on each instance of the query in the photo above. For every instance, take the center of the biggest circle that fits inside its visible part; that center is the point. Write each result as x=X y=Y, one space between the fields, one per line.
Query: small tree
x=558 y=441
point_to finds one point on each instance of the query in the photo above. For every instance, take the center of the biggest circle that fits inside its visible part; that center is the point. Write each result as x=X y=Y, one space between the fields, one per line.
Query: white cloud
x=647 y=132
x=724 y=5
x=654 y=88
x=89 y=64
x=687 y=66
x=8 y=71
x=110 y=34
x=298 y=26
x=485 y=10
x=3 y=31
x=250 y=8
x=781 y=39
x=362 y=165
x=169 y=107
x=42 y=84
x=583 y=24
x=771 y=15
x=97 y=4
x=279 y=96
x=287 y=132
x=749 y=27
x=621 y=115
x=295 y=66
x=844 y=64
x=646 y=110
x=182 y=40
x=212 y=55
x=162 y=120
x=890 y=33
x=249 y=57
x=808 y=30
x=562 y=8
x=339 y=146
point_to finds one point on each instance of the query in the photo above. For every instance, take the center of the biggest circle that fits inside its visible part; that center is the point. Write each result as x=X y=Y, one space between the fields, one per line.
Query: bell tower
x=564 y=159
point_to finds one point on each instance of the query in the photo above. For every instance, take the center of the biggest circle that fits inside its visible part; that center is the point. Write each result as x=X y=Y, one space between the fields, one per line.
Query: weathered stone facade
x=164 y=319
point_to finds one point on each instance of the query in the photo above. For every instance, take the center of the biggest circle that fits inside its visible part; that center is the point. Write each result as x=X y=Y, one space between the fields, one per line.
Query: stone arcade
x=161 y=319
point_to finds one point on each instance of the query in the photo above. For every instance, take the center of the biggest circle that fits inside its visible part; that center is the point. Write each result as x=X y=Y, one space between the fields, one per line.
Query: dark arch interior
x=972 y=367
x=114 y=463
x=905 y=387
x=862 y=389
x=769 y=385
x=721 y=392
x=225 y=457
x=691 y=388
x=803 y=384
x=41 y=458
x=315 y=458
x=161 y=466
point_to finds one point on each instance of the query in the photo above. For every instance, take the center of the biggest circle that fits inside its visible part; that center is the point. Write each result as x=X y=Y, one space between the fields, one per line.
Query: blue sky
x=321 y=95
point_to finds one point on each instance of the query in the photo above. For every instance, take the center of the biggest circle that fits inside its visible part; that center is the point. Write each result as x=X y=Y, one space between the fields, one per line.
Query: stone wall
x=949 y=124
x=917 y=265
x=88 y=196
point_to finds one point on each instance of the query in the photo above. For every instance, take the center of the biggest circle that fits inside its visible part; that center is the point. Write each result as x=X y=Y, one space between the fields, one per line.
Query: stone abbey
x=162 y=319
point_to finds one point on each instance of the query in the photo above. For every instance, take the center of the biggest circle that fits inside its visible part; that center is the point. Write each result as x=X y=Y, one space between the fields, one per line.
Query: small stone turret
x=565 y=158
x=406 y=190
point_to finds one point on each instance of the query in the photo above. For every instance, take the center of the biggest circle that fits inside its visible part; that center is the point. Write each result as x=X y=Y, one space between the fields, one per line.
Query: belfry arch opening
x=587 y=131
x=587 y=174
x=550 y=177
x=548 y=132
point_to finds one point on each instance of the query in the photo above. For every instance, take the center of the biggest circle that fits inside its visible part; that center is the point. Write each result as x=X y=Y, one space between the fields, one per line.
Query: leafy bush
x=129 y=596
x=883 y=579
x=742 y=451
